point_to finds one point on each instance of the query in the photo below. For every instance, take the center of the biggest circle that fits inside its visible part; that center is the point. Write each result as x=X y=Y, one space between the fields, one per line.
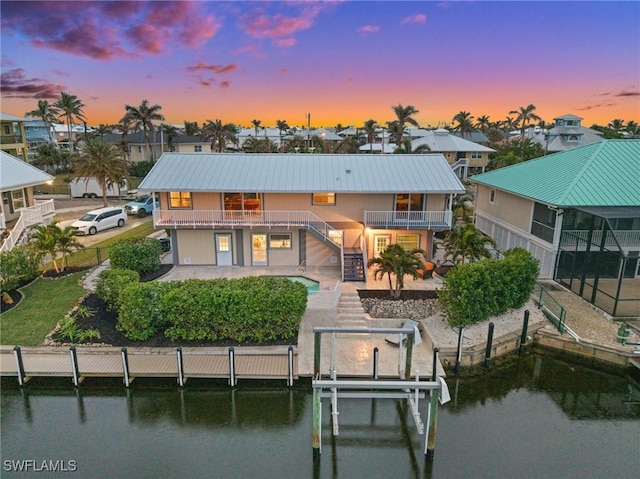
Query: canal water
x=535 y=417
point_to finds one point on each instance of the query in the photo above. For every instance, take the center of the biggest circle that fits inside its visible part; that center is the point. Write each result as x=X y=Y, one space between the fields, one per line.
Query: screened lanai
x=598 y=257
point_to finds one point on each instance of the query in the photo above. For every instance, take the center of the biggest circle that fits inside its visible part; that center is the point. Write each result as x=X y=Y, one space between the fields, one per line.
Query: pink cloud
x=285 y=42
x=225 y=84
x=264 y=26
x=366 y=29
x=284 y=70
x=219 y=69
x=417 y=18
x=104 y=30
x=15 y=84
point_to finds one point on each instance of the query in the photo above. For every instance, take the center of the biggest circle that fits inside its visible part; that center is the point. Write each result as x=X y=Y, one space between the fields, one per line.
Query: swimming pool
x=311 y=285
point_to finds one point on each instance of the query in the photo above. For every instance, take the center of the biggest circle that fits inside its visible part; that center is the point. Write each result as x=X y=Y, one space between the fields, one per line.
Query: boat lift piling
x=405 y=387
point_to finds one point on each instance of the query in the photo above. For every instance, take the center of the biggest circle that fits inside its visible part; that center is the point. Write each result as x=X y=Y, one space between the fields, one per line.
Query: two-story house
x=566 y=134
x=295 y=209
x=19 y=209
x=578 y=213
x=13 y=139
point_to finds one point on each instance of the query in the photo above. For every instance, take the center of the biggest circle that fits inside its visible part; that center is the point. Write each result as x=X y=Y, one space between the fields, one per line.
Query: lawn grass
x=45 y=302
x=89 y=256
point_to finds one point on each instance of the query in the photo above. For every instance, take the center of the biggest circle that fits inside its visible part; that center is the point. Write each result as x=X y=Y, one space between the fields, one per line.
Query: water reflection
x=498 y=424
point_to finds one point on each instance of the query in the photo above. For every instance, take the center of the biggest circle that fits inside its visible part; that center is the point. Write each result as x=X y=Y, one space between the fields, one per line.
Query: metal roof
x=443 y=140
x=301 y=173
x=15 y=173
x=600 y=174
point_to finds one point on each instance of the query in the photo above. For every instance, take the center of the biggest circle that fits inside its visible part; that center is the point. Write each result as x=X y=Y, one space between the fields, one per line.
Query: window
x=543 y=222
x=17 y=198
x=408 y=202
x=139 y=149
x=573 y=138
x=197 y=148
x=408 y=242
x=324 y=198
x=476 y=155
x=280 y=241
x=180 y=199
x=492 y=196
x=7 y=130
x=245 y=202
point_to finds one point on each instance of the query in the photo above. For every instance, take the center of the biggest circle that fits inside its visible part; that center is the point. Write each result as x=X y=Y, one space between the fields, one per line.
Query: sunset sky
x=341 y=61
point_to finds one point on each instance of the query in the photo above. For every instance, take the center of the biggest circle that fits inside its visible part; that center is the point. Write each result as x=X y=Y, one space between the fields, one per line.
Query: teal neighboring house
x=578 y=213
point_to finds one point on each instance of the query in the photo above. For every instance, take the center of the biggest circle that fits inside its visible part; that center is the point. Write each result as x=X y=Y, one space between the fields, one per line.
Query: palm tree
x=170 y=132
x=191 y=128
x=464 y=123
x=483 y=123
x=103 y=129
x=398 y=262
x=67 y=243
x=264 y=145
x=463 y=206
x=403 y=114
x=282 y=126
x=616 y=124
x=256 y=124
x=47 y=113
x=370 y=127
x=43 y=240
x=219 y=134
x=406 y=148
x=633 y=128
x=525 y=116
x=70 y=107
x=104 y=162
x=467 y=242
x=142 y=118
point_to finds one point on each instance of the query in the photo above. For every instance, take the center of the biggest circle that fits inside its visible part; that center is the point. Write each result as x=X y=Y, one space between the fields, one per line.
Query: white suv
x=100 y=219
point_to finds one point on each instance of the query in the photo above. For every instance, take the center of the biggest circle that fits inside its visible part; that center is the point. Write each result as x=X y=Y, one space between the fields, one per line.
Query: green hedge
x=256 y=309
x=18 y=267
x=137 y=254
x=478 y=291
x=111 y=282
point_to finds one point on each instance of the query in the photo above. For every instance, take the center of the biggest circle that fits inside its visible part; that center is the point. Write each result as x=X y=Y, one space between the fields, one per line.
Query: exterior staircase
x=350 y=312
x=353 y=267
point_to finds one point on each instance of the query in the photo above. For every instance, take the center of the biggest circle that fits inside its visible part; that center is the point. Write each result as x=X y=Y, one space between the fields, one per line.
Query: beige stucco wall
x=512 y=209
x=196 y=245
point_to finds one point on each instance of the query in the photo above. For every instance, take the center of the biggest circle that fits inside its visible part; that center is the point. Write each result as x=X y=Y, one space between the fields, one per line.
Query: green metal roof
x=606 y=173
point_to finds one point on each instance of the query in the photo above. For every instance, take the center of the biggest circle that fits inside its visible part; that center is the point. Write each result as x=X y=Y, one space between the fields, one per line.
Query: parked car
x=100 y=219
x=141 y=206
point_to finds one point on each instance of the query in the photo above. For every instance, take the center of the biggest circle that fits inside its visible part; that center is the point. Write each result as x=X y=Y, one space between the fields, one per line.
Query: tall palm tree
x=281 y=125
x=483 y=123
x=256 y=124
x=616 y=124
x=404 y=116
x=218 y=134
x=398 y=262
x=70 y=107
x=464 y=123
x=508 y=125
x=525 y=115
x=191 y=128
x=632 y=127
x=170 y=132
x=142 y=117
x=370 y=127
x=47 y=113
x=396 y=130
x=467 y=242
x=104 y=162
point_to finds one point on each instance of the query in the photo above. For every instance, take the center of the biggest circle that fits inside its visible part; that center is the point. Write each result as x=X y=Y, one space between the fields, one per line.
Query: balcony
x=431 y=220
x=624 y=238
x=246 y=218
x=7 y=140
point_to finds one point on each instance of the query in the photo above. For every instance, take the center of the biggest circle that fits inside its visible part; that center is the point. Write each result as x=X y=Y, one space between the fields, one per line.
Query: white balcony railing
x=623 y=237
x=40 y=213
x=220 y=218
x=408 y=219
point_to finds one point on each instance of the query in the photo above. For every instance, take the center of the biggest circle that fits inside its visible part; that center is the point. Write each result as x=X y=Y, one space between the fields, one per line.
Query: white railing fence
x=39 y=213
x=408 y=218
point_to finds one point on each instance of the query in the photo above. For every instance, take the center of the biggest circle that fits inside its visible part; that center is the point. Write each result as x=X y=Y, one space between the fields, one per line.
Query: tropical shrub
x=111 y=282
x=254 y=309
x=137 y=254
x=141 y=314
x=18 y=267
x=478 y=291
x=397 y=262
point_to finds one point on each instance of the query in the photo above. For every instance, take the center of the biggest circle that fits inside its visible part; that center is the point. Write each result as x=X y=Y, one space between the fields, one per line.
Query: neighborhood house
x=299 y=209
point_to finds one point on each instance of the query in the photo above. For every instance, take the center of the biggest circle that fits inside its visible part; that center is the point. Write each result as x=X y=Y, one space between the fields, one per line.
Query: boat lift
x=402 y=388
